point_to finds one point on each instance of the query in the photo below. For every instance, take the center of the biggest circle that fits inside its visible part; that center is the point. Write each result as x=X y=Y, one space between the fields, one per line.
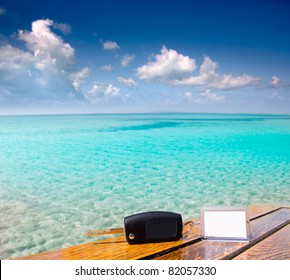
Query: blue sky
x=144 y=56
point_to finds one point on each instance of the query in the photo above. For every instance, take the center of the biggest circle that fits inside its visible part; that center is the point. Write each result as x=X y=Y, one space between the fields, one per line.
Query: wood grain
x=275 y=247
x=117 y=248
x=212 y=250
x=257 y=210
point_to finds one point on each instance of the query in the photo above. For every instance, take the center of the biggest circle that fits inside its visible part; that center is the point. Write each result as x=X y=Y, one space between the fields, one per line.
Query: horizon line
x=142 y=113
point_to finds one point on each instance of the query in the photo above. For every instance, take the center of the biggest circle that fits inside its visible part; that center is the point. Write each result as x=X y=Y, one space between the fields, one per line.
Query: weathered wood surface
x=275 y=247
x=116 y=248
x=261 y=228
x=264 y=220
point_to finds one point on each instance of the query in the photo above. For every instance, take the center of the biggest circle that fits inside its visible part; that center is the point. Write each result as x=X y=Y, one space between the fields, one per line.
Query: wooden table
x=270 y=239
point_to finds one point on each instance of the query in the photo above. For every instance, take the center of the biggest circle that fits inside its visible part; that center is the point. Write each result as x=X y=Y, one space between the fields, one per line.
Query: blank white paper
x=225 y=224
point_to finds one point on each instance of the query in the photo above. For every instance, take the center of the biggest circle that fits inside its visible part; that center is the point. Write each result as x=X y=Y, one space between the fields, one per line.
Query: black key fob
x=149 y=227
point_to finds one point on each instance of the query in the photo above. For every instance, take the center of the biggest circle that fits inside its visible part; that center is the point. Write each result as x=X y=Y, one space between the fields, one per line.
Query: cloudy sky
x=144 y=56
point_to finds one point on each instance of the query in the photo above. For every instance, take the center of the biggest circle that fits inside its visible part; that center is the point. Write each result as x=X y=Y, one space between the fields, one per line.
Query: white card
x=226 y=223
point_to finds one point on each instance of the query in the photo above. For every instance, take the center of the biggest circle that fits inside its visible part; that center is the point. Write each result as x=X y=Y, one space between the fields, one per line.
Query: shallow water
x=63 y=175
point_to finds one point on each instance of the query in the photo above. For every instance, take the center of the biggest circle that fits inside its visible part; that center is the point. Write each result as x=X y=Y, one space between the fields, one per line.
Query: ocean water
x=63 y=175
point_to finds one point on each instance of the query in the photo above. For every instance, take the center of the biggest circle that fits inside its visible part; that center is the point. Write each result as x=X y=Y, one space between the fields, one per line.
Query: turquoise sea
x=63 y=175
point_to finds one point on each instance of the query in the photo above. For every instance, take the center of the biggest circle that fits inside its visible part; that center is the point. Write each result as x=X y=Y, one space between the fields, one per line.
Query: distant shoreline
x=143 y=113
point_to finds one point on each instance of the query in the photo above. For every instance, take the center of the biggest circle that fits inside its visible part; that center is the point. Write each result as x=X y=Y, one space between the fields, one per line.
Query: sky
x=59 y=57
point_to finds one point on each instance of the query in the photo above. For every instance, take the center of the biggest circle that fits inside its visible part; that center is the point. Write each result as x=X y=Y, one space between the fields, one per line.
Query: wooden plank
x=256 y=211
x=260 y=229
x=117 y=247
x=275 y=247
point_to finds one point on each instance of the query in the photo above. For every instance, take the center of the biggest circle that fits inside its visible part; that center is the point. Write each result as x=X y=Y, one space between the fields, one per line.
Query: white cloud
x=107 y=67
x=203 y=97
x=277 y=82
x=2 y=11
x=166 y=66
x=110 y=46
x=63 y=27
x=128 y=82
x=101 y=90
x=230 y=82
x=174 y=68
x=78 y=78
x=45 y=70
x=16 y=68
x=13 y=59
x=208 y=76
x=127 y=59
x=49 y=49
x=211 y=96
x=44 y=73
